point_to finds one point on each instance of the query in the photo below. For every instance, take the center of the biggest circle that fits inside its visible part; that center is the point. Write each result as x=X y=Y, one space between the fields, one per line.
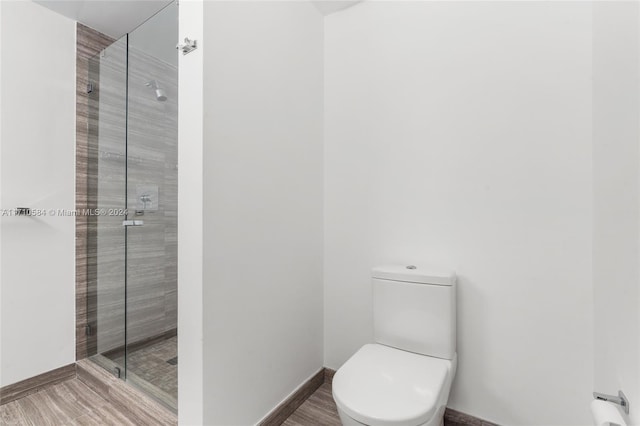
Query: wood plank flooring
x=34 y=384
x=67 y=403
x=319 y=409
x=72 y=403
x=126 y=396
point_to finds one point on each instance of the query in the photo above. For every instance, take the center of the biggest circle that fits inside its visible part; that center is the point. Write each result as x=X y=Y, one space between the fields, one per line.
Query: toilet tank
x=414 y=309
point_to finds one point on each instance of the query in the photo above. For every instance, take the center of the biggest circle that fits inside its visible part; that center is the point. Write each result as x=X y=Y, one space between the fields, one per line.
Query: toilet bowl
x=402 y=388
x=405 y=377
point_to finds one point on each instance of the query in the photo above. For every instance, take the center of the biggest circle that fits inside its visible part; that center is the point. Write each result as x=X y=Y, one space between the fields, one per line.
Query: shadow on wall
x=483 y=360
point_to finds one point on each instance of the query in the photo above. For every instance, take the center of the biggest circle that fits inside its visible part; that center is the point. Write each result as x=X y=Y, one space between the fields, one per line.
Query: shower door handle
x=132 y=222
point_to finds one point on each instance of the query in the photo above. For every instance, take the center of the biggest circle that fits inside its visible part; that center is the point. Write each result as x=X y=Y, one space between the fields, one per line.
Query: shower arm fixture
x=161 y=95
x=153 y=84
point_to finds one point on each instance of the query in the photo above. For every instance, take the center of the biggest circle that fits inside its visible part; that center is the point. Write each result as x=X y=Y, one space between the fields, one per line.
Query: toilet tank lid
x=414 y=274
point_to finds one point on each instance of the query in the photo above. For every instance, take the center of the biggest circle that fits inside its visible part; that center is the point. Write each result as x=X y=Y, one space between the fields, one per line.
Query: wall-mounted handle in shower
x=132 y=222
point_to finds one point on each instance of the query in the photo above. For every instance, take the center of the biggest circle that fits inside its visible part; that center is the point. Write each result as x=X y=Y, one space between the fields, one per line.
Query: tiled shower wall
x=152 y=250
x=107 y=183
x=150 y=257
x=89 y=43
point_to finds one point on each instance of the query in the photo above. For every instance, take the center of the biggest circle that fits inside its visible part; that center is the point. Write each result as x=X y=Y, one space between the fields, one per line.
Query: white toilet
x=404 y=378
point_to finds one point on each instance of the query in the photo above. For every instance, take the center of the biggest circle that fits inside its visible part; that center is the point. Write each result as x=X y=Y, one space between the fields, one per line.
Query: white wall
x=262 y=205
x=1 y=380
x=616 y=204
x=459 y=134
x=38 y=165
x=190 y=218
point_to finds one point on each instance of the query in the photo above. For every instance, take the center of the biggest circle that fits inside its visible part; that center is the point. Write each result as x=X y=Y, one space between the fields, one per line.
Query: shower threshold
x=149 y=367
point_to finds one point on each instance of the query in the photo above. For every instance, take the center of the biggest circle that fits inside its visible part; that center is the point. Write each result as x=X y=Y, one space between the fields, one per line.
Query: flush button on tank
x=412 y=267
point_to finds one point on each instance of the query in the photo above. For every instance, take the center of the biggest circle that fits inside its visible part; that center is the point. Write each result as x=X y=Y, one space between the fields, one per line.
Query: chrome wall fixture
x=188 y=46
x=161 y=95
x=621 y=399
x=132 y=223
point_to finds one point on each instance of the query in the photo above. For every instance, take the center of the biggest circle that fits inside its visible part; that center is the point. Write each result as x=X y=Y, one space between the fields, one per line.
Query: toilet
x=404 y=378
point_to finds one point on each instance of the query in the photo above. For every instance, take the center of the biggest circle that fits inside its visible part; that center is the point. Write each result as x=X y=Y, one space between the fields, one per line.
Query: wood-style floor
x=72 y=403
x=319 y=409
x=68 y=403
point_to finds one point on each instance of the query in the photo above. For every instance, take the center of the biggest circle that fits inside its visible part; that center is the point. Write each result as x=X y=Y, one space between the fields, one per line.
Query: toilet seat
x=402 y=388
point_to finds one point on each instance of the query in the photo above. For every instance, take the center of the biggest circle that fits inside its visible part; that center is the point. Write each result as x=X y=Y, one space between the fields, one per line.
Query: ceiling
x=114 y=18
x=330 y=6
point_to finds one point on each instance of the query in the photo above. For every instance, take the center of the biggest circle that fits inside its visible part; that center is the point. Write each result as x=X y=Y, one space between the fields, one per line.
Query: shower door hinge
x=89 y=87
x=188 y=46
x=116 y=372
x=87 y=330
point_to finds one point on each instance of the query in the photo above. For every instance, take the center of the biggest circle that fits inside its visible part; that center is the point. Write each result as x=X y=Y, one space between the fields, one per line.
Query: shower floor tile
x=150 y=364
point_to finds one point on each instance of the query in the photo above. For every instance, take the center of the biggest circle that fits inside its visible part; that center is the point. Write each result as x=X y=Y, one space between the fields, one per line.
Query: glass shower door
x=106 y=180
x=133 y=185
x=152 y=189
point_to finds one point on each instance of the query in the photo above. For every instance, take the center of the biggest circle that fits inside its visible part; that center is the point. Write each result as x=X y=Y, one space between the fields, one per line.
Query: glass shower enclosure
x=133 y=185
